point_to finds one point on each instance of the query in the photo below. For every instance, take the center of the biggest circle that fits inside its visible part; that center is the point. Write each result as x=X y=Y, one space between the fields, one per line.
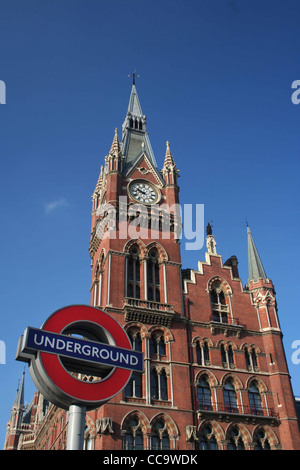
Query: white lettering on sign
x=90 y=352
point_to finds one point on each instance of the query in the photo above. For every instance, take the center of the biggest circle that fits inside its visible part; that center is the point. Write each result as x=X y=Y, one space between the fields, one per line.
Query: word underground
x=135 y=221
x=81 y=350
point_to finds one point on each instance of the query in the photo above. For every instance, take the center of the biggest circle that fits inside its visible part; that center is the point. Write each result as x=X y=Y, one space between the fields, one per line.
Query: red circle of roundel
x=88 y=392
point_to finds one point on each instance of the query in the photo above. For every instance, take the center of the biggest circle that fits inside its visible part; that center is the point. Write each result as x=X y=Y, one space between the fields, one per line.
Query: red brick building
x=215 y=374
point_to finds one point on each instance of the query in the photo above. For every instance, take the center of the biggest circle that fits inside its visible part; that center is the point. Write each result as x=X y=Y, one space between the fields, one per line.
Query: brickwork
x=215 y=374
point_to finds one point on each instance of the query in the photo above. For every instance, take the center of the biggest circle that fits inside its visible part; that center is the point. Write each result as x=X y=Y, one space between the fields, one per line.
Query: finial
x=133 y=75
x=209 y=228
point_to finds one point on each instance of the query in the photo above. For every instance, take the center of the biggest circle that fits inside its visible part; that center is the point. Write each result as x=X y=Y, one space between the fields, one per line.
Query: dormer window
x=219 y=305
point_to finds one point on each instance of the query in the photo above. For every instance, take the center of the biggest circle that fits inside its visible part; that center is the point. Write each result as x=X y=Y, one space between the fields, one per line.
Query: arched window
x=159 y=385
x=199 y=353
x=133 y=273
x=133 y=437
x=227 y=356
x=134 y=386
x=255 y=400
x=247 y=358
x=254 y=357
x=153 y=282
x=202 y=353
x=207 y=439
x=251 y=359
x=160 y=438
x=230 y=355
x=204 y=394
x=163 y=385
x=206 y=352
x=218 y=303
x=230 y=399
x=223 y=354
x=235 y=440
x=136 y=341
x=154 y=384
x=157 y=345
x=262 y=442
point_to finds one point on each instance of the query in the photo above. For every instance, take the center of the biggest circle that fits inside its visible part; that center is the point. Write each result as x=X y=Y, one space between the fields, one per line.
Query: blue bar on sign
x=83 y=350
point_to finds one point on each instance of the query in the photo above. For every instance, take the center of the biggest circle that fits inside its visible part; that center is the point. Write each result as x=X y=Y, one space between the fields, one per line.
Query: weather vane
x=133 y=75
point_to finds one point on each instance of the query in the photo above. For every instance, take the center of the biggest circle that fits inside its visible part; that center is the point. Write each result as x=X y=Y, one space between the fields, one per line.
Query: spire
x=19 y=399
x=169 y=170
x=169 y=161
x=115 y=148
x=99 y=182
x=256 y=269
x=134 y=106
x=135 y=139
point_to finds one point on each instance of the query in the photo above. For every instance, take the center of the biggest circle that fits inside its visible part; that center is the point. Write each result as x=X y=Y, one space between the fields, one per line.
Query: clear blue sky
x=215 y=81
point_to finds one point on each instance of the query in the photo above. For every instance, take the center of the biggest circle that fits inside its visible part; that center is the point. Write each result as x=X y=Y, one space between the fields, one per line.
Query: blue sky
x=215 y=81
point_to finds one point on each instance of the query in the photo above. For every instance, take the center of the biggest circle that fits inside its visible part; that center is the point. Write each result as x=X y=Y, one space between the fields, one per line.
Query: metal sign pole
x=76 y=427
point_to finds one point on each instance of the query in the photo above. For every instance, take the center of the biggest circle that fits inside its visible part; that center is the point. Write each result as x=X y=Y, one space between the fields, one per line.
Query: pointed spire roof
x=135 y=139
x=115 y=148
x=256 y=269
x=99 y=182
x=19 y=399
x=169 y=160
x=134 y=106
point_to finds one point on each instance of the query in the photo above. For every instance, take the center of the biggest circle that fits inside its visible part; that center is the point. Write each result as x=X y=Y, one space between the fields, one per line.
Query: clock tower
x=134 y=243
x=136 y=273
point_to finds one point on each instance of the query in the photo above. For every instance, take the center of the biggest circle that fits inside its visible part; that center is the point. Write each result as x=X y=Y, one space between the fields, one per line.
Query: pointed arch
x=202 y=340
x=170 y=423
x=136 y=241
x=264 y=437
x=162 y=254
x=136 y=327
x=167 y=334
x=237 y=383
x=216 y=427
x=211 y=378
x=262 y=387
x=222 y=284
x=143 y=420
x=134 y=429
x=238 y=437
x=226 y=345
x=210 y=435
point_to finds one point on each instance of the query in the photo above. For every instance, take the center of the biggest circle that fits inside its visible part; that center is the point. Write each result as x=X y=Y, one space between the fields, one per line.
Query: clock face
x=143 y=192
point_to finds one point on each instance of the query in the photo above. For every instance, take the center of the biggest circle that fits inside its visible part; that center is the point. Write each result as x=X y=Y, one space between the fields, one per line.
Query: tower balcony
x=229 y=412
x=148 y=311
x=222 y=322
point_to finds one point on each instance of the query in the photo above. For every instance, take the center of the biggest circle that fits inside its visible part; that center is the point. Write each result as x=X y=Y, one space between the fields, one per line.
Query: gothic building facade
x=215 y=374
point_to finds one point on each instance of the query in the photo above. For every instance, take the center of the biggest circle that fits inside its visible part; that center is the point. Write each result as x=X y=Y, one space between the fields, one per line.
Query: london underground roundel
x=81 y=355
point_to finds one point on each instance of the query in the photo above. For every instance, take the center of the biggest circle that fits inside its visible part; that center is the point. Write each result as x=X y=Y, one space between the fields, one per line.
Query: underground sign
x=80 y=355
